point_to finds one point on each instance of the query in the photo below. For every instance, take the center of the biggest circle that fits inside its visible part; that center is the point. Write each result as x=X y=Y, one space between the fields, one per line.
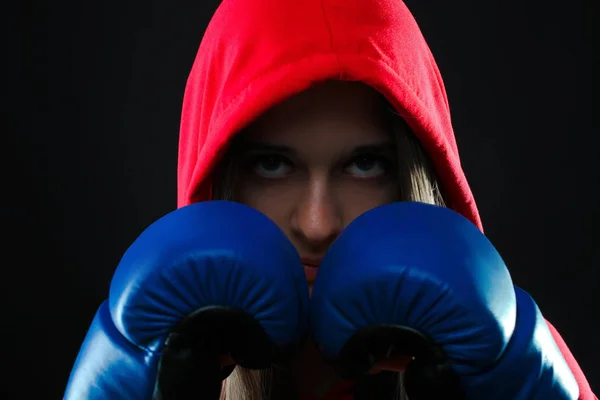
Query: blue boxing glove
x=420 y=280
x=208 y=279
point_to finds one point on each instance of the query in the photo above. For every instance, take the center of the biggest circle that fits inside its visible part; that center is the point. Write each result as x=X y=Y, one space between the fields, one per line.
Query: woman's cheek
x=273 y=197
x=360 y=195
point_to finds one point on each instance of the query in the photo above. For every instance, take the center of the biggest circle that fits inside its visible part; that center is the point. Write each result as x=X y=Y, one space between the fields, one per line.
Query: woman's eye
x=367 y=166
x=271 y=166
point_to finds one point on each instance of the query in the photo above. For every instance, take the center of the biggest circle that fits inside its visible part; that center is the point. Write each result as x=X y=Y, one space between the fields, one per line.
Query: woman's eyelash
x=263 y=159
x=387 y=163
x=256 y=158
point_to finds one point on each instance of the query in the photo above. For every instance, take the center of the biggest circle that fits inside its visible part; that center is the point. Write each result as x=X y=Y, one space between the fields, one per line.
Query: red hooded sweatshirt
x=257 y=53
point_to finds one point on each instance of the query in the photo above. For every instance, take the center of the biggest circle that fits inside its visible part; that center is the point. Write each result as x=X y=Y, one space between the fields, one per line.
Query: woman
x=314 y=112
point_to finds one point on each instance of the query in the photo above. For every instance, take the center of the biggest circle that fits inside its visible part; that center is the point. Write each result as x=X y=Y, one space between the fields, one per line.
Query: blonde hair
x=417 y=181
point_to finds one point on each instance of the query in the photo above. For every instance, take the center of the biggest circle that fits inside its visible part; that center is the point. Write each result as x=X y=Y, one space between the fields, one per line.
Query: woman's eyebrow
x=378 y=147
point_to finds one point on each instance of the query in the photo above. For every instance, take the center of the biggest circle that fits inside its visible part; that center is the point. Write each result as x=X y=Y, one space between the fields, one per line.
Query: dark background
x=93 y=100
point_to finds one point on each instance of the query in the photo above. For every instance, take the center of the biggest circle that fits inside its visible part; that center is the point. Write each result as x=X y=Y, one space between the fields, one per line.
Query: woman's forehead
x=348 y=111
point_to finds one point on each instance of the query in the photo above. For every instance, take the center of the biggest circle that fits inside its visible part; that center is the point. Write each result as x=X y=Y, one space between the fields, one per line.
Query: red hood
x=244 y=67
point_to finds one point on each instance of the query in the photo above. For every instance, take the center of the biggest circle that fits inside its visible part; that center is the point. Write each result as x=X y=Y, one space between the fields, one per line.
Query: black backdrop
x=94 y=95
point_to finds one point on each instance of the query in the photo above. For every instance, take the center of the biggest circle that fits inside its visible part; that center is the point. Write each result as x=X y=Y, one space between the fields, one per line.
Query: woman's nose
x=316 y=220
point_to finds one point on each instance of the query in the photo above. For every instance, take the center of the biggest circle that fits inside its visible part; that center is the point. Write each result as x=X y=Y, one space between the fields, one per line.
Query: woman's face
x=316 y=162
